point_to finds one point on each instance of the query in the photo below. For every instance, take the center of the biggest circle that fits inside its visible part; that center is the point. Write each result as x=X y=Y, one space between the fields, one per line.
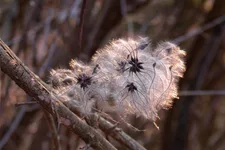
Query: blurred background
x=46 y=34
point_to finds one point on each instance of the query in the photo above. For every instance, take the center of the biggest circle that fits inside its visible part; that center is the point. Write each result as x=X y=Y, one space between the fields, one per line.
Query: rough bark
x=37 y=89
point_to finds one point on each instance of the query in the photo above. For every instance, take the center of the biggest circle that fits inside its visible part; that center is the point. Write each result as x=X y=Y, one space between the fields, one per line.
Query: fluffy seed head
x=137 y=70
x=139 y=79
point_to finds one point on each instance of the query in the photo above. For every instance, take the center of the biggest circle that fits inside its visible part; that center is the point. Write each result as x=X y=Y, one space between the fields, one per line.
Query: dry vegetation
x=48 y=34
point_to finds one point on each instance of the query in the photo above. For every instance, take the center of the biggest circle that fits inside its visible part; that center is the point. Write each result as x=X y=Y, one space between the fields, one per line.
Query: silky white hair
x=139 y=79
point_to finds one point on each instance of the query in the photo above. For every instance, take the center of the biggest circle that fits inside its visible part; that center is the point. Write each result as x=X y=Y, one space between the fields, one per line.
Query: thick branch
x=37 y=89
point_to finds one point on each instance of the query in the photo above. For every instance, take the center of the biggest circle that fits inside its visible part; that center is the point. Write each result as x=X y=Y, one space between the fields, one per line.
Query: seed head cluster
x=137 y=78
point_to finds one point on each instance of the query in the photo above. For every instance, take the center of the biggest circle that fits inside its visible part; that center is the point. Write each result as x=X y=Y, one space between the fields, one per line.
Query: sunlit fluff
x=130 y=74
x=143 y=79
x=83 y=88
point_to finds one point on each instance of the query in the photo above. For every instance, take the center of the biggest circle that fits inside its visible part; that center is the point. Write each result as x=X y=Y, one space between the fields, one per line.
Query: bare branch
x=202 y=92
x=200 y=30
x=108 y=128
x=37 y=89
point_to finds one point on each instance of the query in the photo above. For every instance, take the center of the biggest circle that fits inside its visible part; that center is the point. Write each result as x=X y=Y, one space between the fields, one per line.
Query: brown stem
x=109 y=128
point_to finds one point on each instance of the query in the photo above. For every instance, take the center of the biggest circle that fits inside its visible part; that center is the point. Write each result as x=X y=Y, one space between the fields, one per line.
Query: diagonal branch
x=108 y=128
x=37 y=89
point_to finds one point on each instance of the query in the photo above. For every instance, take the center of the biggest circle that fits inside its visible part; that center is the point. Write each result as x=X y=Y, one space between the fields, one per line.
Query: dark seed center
x=131 y=87
x=136 y=66
x=83 y=80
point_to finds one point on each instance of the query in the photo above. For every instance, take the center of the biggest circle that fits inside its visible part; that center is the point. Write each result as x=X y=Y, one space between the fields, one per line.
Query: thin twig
x=82 y=24
x=25 y=103
x=54 y=134
x=5 y=96
x=200 y=30
x=13 y=126
x=123 y=8
x=75 y=11
x=202 y=92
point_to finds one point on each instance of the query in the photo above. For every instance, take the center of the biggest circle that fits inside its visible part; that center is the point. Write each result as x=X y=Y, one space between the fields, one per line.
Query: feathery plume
x=143 y=80
x=135 y=77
